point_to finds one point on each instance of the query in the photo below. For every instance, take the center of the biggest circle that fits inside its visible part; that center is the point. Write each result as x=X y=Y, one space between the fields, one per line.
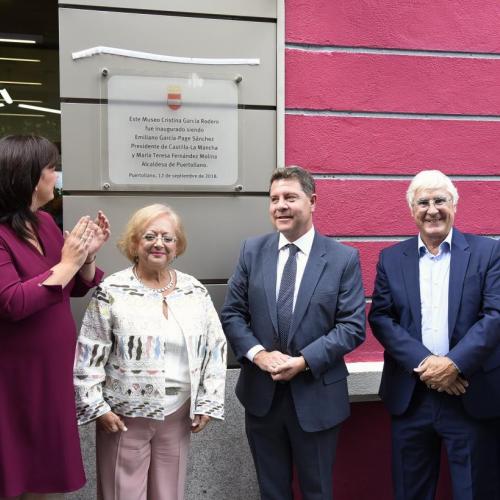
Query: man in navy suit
x=294 y=307
x=436 y=311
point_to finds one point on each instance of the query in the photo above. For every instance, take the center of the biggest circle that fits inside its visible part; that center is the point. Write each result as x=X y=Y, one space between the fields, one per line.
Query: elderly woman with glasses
x=150 y=365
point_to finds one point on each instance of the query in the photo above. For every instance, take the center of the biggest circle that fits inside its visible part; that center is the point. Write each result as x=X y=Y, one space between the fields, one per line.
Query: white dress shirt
x=304 y=244
x=434 y=275
x=177 y=376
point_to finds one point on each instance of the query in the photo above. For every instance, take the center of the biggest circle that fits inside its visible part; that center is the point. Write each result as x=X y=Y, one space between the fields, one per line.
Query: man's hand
x=440 y=373
x=457 y=388
x=289 y=369
x=269 y=361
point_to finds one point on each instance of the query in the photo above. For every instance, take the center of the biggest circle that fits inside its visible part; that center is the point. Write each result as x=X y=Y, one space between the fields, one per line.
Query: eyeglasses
x=438 y=202
x=165 y=238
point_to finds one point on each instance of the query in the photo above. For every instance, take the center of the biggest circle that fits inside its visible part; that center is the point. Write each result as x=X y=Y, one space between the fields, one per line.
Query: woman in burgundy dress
x=39 y=271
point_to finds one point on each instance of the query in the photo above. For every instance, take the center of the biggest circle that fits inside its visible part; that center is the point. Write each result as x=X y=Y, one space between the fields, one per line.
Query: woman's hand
x=199 y=423
x=101 y=234
x=77 y=243
x=111 y=422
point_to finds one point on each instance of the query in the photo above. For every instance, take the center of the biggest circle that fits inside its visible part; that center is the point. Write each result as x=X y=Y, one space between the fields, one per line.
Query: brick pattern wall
x=378 y=90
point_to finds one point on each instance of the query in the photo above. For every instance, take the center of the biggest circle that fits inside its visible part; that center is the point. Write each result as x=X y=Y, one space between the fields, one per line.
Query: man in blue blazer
x=436 y=311
x=290 y=331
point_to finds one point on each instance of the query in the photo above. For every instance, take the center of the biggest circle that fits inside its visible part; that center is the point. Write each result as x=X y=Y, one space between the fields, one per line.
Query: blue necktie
x=285 y=297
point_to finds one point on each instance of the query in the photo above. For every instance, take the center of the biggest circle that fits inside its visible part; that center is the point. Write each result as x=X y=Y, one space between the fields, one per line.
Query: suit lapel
x=410 y=271
x=460 y=255
x=270 y=263
x=312 y=273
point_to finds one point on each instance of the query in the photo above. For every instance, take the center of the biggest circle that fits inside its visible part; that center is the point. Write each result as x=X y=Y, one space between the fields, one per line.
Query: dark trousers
x=278 y=442
x=433 y=419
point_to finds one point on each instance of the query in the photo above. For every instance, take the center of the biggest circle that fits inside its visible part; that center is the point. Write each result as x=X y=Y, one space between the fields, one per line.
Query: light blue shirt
x=434 y=275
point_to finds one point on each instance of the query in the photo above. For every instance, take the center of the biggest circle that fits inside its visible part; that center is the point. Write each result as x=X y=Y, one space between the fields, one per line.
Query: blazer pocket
x=325 y=297
x=335 y=374
x=474 y=281
x=492 y=361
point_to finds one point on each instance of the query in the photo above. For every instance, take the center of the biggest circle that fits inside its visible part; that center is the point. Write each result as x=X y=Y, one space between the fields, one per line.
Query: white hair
x=430 y=179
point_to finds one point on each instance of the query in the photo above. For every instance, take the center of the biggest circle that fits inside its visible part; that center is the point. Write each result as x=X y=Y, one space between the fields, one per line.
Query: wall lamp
x=20 y=38
x=6 y=96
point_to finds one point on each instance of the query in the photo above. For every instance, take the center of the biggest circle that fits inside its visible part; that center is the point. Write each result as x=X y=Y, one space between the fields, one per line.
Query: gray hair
x=431 y=179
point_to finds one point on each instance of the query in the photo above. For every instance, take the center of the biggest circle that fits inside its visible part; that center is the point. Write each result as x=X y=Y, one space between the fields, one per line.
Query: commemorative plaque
x=167 y=132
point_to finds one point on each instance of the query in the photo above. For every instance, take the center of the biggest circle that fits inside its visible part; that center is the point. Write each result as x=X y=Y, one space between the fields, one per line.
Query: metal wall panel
x=215 y=227
x=254 y=8
x=167 y=35
x=82 y=158
x=215 y=223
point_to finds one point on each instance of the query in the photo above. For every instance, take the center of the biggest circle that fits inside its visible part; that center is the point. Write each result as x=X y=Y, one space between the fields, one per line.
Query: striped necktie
x=285 y=297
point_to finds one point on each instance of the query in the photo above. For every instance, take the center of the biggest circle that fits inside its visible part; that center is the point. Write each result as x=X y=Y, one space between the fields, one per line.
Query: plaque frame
x=231 y=180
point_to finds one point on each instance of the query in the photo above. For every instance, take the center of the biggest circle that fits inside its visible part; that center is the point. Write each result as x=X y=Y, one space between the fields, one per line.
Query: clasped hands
x=281 y=367
x=441 y=374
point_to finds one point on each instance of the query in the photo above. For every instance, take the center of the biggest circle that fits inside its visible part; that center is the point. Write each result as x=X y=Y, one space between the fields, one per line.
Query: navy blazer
x=473 y=321
x=328 y=322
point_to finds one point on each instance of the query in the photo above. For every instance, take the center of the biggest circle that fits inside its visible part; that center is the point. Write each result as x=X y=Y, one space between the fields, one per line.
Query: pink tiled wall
x=378 y=90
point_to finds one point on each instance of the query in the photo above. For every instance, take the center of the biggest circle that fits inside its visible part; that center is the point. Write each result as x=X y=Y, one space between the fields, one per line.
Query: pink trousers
x=147 y=462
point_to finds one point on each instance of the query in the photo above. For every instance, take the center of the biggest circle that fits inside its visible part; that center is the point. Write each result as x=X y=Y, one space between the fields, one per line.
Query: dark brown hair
x=298 y=173
x=22 y=159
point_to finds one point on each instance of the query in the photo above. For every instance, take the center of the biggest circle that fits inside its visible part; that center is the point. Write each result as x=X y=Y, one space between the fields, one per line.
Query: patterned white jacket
x=120 y=357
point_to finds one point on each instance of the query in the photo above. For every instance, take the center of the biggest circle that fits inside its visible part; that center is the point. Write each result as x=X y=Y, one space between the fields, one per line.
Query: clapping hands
x=77 y=243
x=100 y=227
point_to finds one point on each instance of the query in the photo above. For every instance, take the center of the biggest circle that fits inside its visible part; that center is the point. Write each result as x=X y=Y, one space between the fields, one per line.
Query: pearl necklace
x=165 y=288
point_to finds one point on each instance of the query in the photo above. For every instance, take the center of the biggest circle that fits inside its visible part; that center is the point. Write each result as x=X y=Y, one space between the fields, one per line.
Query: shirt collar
x=445 y=245
x=304 y=243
